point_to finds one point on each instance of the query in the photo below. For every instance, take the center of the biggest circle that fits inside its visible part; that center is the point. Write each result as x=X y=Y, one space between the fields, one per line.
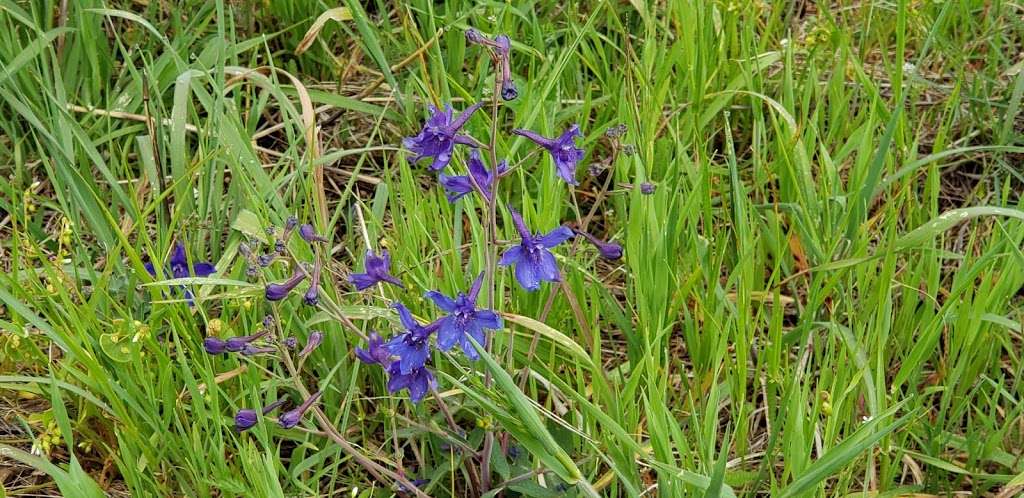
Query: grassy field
x=820 y=297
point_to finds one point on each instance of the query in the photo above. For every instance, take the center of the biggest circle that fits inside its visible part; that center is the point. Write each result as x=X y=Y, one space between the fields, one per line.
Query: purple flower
x=647 y=188
x=253 y=350
x=314 y=340
x=236 y=344
x=439 y=135
x=312 y=295
x=607 y=250
x=247 y=418
x=375 y=353
x=277 y=292
x=418 y=381
x=308 y=233
x=533 y=261
x=180 y=267
x=458 y=186
x=214 y=346
x=412 y=347
x=378 y=269
x=292 y=417
x=463 y=320
x=563 y=150
x=290 y=342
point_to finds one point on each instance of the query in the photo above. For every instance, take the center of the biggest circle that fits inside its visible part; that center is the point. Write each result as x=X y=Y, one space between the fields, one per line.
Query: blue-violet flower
x=563 y=150
x=458 y=186
x=412 y=347
x=532 y=258
x=463 y=320
x=439 y=135
x=378 y=269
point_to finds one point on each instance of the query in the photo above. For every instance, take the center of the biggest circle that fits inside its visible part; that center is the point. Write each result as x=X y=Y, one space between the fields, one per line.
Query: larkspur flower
x=312 y=295
x=214 y=346
x=253 y=350
x=278 y=291
x=418 y=381
x=607 y=250
x=563 y=150
x=314 y=340
x=412 y=347
x=378 y=269
x=236 y=344
x=532 y=258
x=180 y=267
x=439 y=135
x=375 y=352
x=292 y=417
x=464 y=320
x=458 y=186
x=308 y=233
x=247 y=418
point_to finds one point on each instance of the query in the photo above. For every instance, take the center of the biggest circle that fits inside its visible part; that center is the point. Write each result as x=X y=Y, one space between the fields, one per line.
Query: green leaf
x=949 y=219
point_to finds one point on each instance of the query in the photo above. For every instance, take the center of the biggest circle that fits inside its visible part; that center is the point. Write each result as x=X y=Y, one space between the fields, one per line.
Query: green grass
x=821 y=298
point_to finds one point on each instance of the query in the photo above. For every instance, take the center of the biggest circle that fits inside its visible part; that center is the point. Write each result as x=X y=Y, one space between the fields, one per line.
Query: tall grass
x=820 y=298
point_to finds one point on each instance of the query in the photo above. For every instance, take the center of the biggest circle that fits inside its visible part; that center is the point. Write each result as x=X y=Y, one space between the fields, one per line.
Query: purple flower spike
x=308 y=233
x=439 y=135
x=375 y=353
x=378 y=269
x=607 y=250
x=314 y=340
x=563 y=150
x=532 y=258
x=463 y=320
x=292 y=417
x=214 y=346
x=413 y=346
x=277 y=292
x=458 y=186
x=418 y=381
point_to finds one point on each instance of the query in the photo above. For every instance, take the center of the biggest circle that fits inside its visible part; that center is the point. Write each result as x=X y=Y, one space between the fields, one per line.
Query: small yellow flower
x=215 y=326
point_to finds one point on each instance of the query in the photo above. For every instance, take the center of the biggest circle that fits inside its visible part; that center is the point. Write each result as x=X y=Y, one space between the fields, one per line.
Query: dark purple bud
x=236 y=344
x=251 y=350
x=290 y=225
x=244 y=249
x=312 y=295
x=290 y=342
x=251 y=271
x=474 y=36
x=314 y=340
x=245 y=419
x=268 y=320
x=607 y=250
x=266 y=260
x=508 y=90
x=214 y=346
x=308 y=233
x=292 y=417
x=277 y=292
x=647 y=188
x=279 y=246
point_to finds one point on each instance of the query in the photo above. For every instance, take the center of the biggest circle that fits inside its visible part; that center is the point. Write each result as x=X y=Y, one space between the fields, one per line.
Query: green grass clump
x=820 y=298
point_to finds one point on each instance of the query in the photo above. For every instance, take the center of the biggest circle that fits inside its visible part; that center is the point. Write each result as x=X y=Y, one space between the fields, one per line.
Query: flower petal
x=442 y=301
x=405 y=316
x=488 y=319
x=535 y=137
x=448 y=334
x=547 y=268
x=517 y=220
x=512 y=255
x=178 y=257
x=203 y=269
x=460 y=121
x=362 y=281
x=555 y=237
x=527 y=275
